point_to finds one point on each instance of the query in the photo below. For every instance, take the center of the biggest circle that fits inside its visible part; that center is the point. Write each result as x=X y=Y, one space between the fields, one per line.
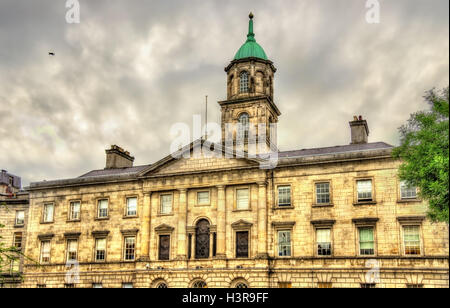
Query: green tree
x=424 y=151
x=8 y=254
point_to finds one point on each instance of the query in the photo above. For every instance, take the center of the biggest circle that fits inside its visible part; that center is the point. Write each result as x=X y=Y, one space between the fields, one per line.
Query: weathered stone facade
x=227 y=222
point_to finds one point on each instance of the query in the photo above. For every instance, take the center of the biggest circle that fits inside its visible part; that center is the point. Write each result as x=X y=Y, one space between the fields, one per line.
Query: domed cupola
x=250 y=49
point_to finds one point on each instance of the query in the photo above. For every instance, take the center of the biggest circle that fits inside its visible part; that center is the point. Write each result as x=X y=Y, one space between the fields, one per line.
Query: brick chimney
x=359 y=130
x=116 y=157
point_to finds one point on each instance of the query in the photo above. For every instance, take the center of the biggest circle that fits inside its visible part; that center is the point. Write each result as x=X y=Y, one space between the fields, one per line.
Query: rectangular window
x=242 y=201
x=166 y=204
x=102 y=208
x=97 y=286
x=284 y=195
x=49 y=210
x=164 y=247
x=18 y=240
x=131 y=206
x=74 y=213
x=368 y=285
x=364 y=190
x=325 y=285
x=203 y=197
x=41 y=286
x=323 y=193
x=366 y=241
x=285 y=285
x=242 y=244
x=72 y=248
x=284 y=243
x=129 y=248
x=127 y=285
x=100 y=249
x=407 y=192
x=411 y=240
x=45 y=252
x=69 y=285
x=414 y=286
x=323 y=242
x=20 y=218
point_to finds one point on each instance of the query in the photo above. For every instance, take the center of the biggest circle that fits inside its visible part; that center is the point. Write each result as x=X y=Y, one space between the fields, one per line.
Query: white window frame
x=363 y=198
x=330 y=229
x=238 y=207
x=128 y=213
x=244 y=82
x=71 y=210
x=408 y=190
x=96 y=259
x=280 y=245
x=69 y=249
x=283 y=186
x=166 y=209
x=125 y=248
x=45 y=213
x=208 y=202
x=99 y=208
x=316 y=190
x=42 y=252
x=19 y=221
x=359 y=228
x=419 y=231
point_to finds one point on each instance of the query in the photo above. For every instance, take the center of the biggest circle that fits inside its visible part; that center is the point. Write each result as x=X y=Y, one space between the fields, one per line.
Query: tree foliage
x=424 y=151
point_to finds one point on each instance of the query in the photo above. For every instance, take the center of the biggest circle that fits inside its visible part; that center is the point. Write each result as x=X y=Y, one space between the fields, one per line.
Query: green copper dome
x=250 y=49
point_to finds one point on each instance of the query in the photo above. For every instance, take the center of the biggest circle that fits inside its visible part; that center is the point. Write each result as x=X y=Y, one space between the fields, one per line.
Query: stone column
x=145 y=235
x=262 y=220
x=221 y=226
x=181 y=228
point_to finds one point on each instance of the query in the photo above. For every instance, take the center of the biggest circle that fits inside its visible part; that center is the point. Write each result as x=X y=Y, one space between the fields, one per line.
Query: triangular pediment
x=194 y=158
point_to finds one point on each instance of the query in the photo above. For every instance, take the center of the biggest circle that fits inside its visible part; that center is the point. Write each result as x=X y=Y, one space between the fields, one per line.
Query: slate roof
x=335 y=150
x=109 y=172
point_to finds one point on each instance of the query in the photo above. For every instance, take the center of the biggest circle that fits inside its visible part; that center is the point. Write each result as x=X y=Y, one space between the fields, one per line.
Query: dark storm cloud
x=131 y=69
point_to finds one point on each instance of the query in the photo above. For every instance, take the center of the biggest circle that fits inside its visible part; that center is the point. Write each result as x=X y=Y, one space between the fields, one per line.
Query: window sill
x=200 y=205
x=101 y=218
x=364 y=203
x=408 y=200
x=46 y=222
x=162 y=215
x=246 y=210
x=19 y=226
x=286 y=207
x=73 y=220
x=323 y=205
x=130 y=217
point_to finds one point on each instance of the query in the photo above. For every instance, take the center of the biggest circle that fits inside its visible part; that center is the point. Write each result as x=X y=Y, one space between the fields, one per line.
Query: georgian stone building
x=323 y=217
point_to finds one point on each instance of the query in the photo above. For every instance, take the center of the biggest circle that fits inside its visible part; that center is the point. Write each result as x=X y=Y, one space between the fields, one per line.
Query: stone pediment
x=164 y=228
x=191 y=159
x=241 y=224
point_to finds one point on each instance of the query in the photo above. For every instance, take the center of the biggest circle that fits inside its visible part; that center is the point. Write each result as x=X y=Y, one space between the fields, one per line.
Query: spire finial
x=250 y=35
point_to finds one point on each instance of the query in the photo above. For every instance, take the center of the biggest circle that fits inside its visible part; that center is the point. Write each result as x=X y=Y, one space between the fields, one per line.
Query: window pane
x=408 y=192
x=100 y=249
x=242 y=199
x=131 y=206
x=72 y=250
x=103 y=208
x=45 y=251
x=243 y=85
x=364 y=189
x=366 y=241
x=75 y=210
x=323 y=242
x=284 y=243
x=166 y=204
x=284 y=195
x=129 y=248
x=48 y=212
x=203 y=197
x=411 y=237
x=20 y=217
x=323 y=193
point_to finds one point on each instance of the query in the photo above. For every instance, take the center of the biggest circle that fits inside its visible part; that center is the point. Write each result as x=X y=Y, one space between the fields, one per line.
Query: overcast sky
x=131 y=69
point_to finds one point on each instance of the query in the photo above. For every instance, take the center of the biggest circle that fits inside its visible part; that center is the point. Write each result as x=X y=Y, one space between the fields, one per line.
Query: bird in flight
x=51 y=53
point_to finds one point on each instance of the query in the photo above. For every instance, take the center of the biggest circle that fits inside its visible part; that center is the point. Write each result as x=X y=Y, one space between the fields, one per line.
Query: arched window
x=243 y=84
x=162 y=285
x=243 y=126
x=202 y=239
x=240 y=284
x=199 y=284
